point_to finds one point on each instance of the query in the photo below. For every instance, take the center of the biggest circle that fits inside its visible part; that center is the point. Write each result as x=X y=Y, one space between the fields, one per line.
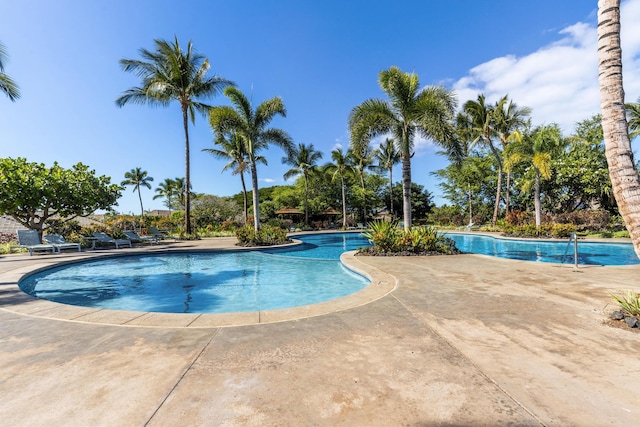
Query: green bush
x=386 y=237
x=383 y=235
x=265 y=236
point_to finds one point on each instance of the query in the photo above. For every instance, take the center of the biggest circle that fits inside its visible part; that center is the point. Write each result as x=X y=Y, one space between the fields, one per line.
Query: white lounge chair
x=30 y=240
x=60 y=243
x=104 y=238
x=134 y=237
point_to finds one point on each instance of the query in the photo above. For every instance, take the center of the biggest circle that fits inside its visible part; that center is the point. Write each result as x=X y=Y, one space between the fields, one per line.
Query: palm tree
x=483 y=121
x=7 y=85
x=181 y=188
x=304 y=161
x=625 y=179
x=137 y=177
x=537 y=150
x=410 y=110
x=251 y=126
x=362 y=159
x=387 y=156
x=341 y=168
x=167 y=74
x=167 y=189
x=633 y=115
x=233 y=149
x=510 y=120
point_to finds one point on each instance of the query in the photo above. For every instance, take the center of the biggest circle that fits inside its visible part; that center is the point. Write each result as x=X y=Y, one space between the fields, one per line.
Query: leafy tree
x=251 y=126
x=304 y=160
x=538 y=150
x=362 y=159
x=341 y=168
x=234 y=150
x=411 y=110
x=137 y=178
x=167 y=189
x=171 y=74
x=624 y=176
x=387 y=157
x=32 y=193
x=421 y=200
x=212 y=210
x=633 y=116
x=7 y=85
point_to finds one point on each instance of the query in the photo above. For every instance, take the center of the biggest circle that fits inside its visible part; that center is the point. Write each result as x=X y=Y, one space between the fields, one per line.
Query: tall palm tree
x=304 y=160
x=234 y=150
x=251 y=126
x=510 y=120
x=181 y=188
x=387 y=157
x=633 y=115
x=484 y=118
x=172 y=74
x=167 y=189
x=537 y=151
x=410 y=110
x=7 y=85
x=138 y=178
x=362 y=158
x=342 y=168
x=624 y=176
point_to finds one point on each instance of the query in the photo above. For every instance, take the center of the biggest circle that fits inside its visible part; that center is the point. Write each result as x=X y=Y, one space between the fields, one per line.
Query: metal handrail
x=572 y=237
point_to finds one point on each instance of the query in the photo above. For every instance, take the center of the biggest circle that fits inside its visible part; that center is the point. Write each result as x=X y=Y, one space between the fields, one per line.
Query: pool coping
x=13 y=299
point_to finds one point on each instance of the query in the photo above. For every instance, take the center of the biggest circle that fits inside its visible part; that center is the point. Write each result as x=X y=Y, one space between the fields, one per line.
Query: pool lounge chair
x=104 y=238
x=30 y=240
x=60 y=243
x=134 y=237
x=159 y=235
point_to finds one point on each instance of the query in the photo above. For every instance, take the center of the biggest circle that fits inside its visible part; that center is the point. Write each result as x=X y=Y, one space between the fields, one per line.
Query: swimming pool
x=209 y=282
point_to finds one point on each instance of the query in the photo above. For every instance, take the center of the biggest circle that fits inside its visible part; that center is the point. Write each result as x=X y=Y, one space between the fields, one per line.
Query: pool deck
x=468 y=340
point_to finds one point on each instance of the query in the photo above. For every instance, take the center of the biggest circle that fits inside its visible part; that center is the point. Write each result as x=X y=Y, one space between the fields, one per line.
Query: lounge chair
x=30 y=240
x=134 y=237
x=159 y=235
x=104 y=238
x=60 y=243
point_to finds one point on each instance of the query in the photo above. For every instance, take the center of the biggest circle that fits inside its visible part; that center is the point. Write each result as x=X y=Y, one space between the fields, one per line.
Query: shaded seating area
x=60 y=242
x=30 y=240
x=106 y=239
x=135 y=237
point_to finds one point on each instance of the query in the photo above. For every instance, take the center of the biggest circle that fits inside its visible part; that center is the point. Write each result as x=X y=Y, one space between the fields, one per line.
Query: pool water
x=213 y=282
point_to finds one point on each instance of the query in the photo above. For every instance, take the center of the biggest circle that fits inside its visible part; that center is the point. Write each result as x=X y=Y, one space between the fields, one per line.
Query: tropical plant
x=362 y=159
x=633 y=115
x=387 y=157
x=267 y=235
x=629 y=302
x=386 y=237
x=7 y=85
x=251 y=126
x=169 y=74
x=167 y=189
x=624 y=176
x=32 y=193
x=234 y=150
x=304 y=160
x=383 y=235
x=342 y=168
x=137 y=178
x=410 y=111
x=537 y=150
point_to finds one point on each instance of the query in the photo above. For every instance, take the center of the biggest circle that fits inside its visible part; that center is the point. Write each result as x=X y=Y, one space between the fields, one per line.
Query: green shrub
x=562 y=230
x=386 y=237
x=265 y=236
x=383 y=235
x=629 y=303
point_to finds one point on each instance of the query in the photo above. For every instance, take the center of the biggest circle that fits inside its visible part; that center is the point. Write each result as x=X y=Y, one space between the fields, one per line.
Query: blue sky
x=322 y=58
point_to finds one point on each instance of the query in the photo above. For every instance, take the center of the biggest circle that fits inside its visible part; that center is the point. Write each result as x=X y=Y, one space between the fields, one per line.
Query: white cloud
x=559 y=82
x=267 y=180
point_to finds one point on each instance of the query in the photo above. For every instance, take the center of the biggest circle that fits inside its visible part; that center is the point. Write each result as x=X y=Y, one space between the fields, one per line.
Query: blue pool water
x=213 y=282
x=547 y=251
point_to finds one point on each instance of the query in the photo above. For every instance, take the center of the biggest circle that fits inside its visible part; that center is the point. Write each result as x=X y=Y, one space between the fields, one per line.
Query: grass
x=629 y=303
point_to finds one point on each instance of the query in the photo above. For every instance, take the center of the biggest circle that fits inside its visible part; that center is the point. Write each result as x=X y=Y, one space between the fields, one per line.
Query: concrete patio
x=468 y=340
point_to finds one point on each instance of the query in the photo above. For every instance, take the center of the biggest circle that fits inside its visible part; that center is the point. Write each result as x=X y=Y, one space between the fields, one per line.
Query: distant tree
x=212 y=210
x=421 y=200
x=251 y=126
x=32 y=193
x=411 y=110
x=362 y=159
x=169 y=74
x=341 y=168
x=137 y=178
x=387 y=157
x=7 y=85
x=167 y=189
x=304 y=160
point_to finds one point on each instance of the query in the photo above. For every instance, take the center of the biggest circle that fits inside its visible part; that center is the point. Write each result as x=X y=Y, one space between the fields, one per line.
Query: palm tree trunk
x=624 y=176
x=244 y=197
x=306 y=200
x=507 y=192
x=536 y=199
x=496 y=207
x=256 y=207
x=364 y=198
x=187 y=173
x=391 y=191
x=344 y=204
x=470 y=206
x=140 y=197
x=406 y=191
